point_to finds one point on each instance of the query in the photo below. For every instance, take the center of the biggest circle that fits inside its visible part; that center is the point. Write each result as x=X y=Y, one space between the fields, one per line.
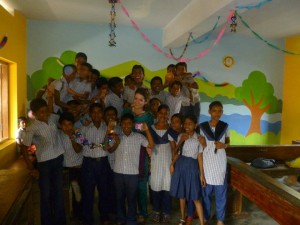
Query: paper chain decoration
x=80 y=139
x=200 y=55
x=112 y=25
x=264 y=40
x=3 y=42
x=199 y=75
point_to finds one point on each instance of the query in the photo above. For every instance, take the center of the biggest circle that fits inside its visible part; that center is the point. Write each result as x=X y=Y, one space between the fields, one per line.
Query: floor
x=251 y=215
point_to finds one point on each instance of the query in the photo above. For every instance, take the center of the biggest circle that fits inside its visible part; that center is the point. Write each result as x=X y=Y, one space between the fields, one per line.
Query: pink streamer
x=145 y=37
x=157 y=48
x=200 y=55
x=135 y=25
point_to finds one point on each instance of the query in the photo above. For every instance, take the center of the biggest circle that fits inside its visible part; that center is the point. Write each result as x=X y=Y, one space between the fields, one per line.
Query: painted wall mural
x=252 y=110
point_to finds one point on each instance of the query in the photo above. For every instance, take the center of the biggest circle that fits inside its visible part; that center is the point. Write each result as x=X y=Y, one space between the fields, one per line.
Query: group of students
x=124 y=141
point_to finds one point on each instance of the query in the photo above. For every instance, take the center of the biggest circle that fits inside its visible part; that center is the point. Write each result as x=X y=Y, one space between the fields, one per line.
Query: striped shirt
x=81 y=87
x=191 y=147
x=129 y=94
x=162 y=95
x=174 y=103
x=71 y=158
x=45 y=137
x=128 y=153
x=214 y=164
x=114 y=100
x=96 y=136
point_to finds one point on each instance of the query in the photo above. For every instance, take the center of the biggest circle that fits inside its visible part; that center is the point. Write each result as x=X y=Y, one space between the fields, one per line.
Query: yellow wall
x=291 y=92
x=14 y=52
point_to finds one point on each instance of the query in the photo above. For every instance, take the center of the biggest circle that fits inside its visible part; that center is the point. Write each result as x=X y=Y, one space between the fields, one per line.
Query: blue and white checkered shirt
x=114 y=100
x=71 y=158
x=45 y=137
x=94 y=135
x=191 y=147
x=127 y=154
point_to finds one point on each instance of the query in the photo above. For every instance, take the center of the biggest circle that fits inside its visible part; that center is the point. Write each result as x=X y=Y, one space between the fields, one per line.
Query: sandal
x=166 y=218
x=155 y=217
x=181 y=222
x=188 y=220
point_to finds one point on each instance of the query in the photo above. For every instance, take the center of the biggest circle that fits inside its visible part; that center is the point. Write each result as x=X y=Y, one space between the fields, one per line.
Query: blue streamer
x=253 y=6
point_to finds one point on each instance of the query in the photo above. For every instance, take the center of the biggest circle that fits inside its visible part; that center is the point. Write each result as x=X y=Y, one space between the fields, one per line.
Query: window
x=3 y=101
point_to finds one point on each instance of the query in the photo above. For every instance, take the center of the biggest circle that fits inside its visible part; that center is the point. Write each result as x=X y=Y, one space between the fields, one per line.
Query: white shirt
x=191 y=147
x=214 y=164
x=174 y=103
x=127 y=154
x=114 y=100
x=45 y=138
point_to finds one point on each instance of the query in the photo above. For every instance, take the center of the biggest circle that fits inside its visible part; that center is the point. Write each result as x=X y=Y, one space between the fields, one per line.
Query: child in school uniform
x=161 y=159
x=175 y=99
x=126 y=168
x=188 y=175
x=43 y=132
x=72 y=160
x=115 y=95
x=214 y=137
x=96 y=171
x=157 y=89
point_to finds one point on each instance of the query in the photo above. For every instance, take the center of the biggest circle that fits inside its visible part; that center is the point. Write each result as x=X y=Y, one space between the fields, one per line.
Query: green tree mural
x=258 y=96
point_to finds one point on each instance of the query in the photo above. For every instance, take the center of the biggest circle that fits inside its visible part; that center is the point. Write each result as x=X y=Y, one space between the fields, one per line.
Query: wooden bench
x=278 y=200
x=280 y=153
x=16 y=195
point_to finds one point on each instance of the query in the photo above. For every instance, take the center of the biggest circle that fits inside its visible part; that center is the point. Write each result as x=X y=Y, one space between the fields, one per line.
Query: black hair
x=101 y=81
x=95 y=72
x=127 y=116
x=163 y=106
x=181 y=64
x=112 y=82
x=215 y=103
x=144 y=92
x=137 y=67
x=110 y=108
x=37 y=103
x=89 y=66
x=179 y=116
x=129 y=77
x=192 y=118
x=66 y=116
x=21 y=118
x=73 y=102
x=156 y=78
x=95 y=105
x=170 y=66
x=176 y=82
x=154 y=99
x=81 y=55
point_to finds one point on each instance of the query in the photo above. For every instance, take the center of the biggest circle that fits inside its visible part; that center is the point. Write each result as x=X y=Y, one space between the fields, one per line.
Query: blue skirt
x=185 y=182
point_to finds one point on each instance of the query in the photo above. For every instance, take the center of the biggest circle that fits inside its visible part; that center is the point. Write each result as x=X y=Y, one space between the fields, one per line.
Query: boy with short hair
x=157 y=89
x=115 y=96
x=126 y=169
x=43 y=133
x=214 y=138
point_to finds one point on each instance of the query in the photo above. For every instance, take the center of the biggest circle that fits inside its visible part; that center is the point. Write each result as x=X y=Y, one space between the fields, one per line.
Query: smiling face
x=139 y=101
x=138 y=76
x=156 y=86
x=176 y=124
x=189 y=126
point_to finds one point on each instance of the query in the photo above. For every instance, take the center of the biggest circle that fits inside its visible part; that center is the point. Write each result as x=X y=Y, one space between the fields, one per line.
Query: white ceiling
x=177 y=18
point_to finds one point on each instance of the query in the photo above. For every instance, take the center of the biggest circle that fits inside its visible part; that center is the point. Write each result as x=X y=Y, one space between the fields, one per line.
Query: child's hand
x=145 y=127
x=219 y=145
x=171 y=169
x=202 y=141
x=183 y=137
x=149 y=151
x=202 y=180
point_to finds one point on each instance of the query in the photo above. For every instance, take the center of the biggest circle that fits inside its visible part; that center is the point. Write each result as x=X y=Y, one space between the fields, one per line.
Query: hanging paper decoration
x=233 y=24
x=184 y=50
x=112 y=24
x=200 y=55
x=199 y=75
x=261 y=3
x=3 y=41
x=264 y=40
x=207 y=36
